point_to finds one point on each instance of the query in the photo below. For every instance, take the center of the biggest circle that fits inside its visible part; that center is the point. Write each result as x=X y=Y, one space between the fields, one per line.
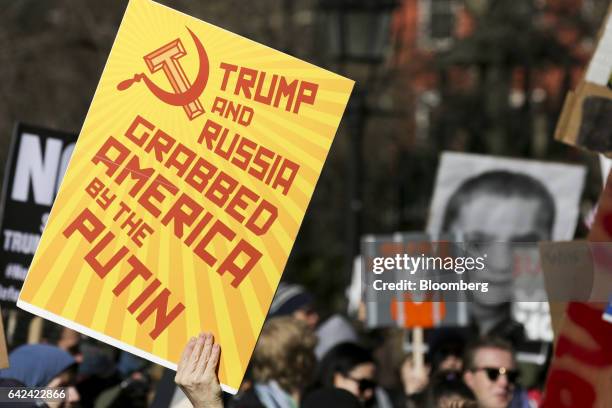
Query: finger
x=213 y=361
x=202 y=363
x=186 y=354
x=197 y=350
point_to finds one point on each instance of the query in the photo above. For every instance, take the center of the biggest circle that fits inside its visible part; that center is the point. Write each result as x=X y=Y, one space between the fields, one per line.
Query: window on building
x=436 y=22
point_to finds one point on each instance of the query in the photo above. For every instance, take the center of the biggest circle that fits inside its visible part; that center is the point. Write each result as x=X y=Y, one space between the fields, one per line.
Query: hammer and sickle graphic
x=176 y=98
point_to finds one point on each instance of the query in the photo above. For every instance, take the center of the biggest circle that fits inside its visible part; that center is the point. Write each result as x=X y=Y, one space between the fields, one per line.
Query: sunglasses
x=494 y=373
x=364 y=384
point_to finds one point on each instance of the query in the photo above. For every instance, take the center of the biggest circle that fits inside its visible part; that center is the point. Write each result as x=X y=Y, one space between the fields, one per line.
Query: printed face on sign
x=495 y=203
x=479 y=211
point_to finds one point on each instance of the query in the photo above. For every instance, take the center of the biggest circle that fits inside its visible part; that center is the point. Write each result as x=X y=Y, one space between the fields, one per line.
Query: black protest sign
x=36 y=165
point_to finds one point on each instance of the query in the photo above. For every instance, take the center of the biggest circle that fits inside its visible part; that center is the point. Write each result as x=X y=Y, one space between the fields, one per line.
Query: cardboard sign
x=585 y=116
x=569 y=270
x=587 y=110
x=4 y=361
x=187 y=187
x=37 y=162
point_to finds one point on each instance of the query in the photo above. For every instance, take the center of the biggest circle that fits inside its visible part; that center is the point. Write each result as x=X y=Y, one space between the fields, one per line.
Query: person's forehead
x=494 y=357
x=364 y=369
x=501 y=216
x=484 y=200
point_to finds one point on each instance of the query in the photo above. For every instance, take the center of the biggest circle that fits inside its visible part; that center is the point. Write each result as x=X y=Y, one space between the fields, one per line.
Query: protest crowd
x=478 y=153
x=299 y=361
x=345 y=367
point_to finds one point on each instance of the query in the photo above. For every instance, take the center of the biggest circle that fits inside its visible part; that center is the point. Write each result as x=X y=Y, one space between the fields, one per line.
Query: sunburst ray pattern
x=63 y=286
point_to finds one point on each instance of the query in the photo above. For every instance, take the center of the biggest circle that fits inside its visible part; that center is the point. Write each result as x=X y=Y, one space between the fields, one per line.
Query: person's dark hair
x=481 y=343
x=342 y=359
x=330 y=397
x=450 y=343
x=445 y=386
x=501 y=183
x=51 y=332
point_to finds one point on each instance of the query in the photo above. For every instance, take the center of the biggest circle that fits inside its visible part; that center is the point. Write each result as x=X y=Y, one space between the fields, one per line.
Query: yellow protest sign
x=186 y=189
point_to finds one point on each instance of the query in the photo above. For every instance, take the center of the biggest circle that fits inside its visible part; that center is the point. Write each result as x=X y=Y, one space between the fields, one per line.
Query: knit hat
x=332 y=332
x=288 y=299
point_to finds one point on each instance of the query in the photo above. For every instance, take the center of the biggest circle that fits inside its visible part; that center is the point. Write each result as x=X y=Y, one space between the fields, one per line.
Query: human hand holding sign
x=196 y=373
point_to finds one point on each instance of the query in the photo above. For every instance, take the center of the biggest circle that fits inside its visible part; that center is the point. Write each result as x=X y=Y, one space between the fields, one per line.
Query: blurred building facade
x=486 y=77
x=476 y=75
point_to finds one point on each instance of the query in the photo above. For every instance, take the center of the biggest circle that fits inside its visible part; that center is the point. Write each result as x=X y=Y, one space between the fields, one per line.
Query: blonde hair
x=284 y=353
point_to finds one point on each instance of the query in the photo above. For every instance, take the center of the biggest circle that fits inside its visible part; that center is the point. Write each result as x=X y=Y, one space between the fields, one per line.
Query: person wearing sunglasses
x=351 y=367
x=490 y=372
